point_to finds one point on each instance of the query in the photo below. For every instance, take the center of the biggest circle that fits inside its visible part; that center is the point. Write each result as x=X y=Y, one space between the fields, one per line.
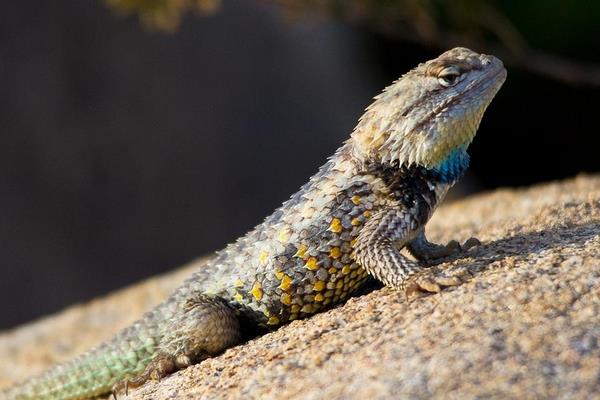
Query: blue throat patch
x=454 y=166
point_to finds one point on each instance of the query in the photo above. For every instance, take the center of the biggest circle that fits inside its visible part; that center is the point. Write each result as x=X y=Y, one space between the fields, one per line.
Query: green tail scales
x=95 y=372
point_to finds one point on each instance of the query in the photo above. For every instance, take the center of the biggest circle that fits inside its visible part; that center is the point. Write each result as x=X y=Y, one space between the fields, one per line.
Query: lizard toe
x=431 y=281
x=470 y=243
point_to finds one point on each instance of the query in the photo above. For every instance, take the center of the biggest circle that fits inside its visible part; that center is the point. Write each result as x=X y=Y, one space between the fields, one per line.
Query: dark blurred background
x=136 y=135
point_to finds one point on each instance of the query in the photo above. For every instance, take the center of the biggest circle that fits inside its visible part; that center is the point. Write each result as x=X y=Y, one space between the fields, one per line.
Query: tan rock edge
x=525 y=325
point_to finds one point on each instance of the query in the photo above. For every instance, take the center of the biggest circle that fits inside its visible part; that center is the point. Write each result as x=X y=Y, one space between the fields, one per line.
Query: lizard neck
x=453 y=167
x=446 y=173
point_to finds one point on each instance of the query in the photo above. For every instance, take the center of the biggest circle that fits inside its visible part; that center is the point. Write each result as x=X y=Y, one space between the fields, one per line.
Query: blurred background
x=136 y=135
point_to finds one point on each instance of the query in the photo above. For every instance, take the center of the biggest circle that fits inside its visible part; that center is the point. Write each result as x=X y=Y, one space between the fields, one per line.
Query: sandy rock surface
x=526 y=324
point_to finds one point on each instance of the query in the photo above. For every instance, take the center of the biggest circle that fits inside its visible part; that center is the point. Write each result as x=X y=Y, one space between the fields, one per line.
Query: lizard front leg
x=205 y=327
x=424 y=250
x=377 y=250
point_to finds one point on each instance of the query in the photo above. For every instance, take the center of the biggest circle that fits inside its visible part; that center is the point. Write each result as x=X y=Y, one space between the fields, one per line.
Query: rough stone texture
x=526 y=324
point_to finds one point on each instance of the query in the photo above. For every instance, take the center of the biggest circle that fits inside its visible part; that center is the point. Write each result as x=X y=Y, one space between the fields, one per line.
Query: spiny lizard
x=372 y=198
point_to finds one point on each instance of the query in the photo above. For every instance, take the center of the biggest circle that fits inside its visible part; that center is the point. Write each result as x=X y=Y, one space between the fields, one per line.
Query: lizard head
x=431 y=113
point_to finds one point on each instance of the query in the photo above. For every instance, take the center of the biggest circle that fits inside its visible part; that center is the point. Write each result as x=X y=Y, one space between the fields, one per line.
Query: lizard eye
x=448 y=76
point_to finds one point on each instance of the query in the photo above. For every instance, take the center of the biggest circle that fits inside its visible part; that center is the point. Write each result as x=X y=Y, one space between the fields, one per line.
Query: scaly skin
x=372 y=198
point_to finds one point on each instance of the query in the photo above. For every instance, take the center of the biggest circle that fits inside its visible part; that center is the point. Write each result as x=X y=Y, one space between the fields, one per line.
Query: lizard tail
x=96 y=372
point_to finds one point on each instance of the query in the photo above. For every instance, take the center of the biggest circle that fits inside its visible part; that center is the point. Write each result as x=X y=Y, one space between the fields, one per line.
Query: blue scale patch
x=454 y=166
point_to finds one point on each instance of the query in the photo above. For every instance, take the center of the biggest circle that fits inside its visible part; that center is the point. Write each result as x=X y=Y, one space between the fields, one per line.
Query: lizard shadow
x=527 y=243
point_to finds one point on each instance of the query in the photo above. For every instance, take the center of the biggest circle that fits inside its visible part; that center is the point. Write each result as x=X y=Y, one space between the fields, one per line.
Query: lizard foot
x=424 y=250
x=433 y=280
x=206 y=326
x=161 y=366
x=452 y=248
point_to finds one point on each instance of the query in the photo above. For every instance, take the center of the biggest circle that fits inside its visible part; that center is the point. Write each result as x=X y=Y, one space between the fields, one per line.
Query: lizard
x=348 y=224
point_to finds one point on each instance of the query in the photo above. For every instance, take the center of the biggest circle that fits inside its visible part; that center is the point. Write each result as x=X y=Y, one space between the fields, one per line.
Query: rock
x=526 y=324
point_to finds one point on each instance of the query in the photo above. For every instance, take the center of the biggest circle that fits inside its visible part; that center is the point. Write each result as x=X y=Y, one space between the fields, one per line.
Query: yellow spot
x=239 y=283
x=355 y=199
x=307 y=308
x=335 y=252
x=257 y=291
x=279 y=274
x=339 y=285
x=346 y=270
x=311 y=264
x=318 y=286
x=273 y=321
x=319 y=297
x=367 y=214
x=238 y=297
x=262 y=257
x=286 y=283
x=286 y=299
x=353 y=242
x=301 y=252
x=295 y=309
x=336 y=225
x=355 y=222
x=284 y=236
x=332 y=270
x=293 y=316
